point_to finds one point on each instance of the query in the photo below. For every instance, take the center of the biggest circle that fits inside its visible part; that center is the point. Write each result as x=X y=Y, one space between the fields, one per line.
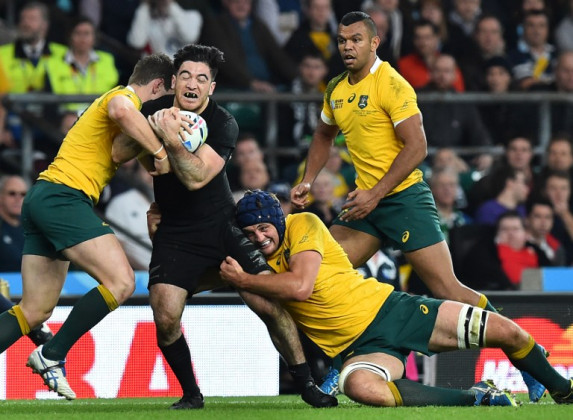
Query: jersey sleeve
x=398 y=97
x=222 y=136
x=327 y=116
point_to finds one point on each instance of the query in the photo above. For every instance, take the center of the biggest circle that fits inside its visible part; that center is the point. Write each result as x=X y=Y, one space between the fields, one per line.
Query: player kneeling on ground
x=369 y=325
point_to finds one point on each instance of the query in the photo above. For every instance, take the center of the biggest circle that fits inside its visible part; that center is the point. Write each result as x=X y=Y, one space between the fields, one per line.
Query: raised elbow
x=302 y=294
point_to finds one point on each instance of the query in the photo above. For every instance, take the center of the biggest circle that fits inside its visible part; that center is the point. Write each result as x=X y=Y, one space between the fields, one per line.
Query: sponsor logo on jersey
x=405 y=236
x=352 y=97
x=424 y=309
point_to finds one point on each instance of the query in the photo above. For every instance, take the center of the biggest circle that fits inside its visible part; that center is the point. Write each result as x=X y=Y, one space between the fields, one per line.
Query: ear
x=173 y=78
x=212 y=88
x=157 y=84
x=374 y=43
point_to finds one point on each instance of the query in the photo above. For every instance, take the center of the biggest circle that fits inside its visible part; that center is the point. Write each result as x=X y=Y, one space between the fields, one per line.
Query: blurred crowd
x=501 y=214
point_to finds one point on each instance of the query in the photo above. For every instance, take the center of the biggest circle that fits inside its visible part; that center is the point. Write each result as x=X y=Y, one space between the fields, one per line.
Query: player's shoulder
x=304 y=218
x=335 y=81
x=150 y=107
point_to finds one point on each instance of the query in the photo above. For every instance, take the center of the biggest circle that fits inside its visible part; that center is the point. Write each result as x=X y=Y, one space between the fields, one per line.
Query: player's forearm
x=191 y=171
x=317 y=157
x=283 y=286
x=134 y=125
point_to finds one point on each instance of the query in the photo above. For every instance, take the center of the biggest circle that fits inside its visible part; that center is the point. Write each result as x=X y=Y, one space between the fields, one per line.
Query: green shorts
x=404 y=323
x=407 y=220
x=56 y=217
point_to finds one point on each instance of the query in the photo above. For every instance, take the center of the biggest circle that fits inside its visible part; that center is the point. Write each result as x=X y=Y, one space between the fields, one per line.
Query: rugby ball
x=199 y=134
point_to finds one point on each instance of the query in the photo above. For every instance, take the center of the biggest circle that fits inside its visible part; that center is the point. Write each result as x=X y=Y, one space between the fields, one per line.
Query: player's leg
x=374 y=379
x=168 y=302
x=42 y=281
x=102 y=258
x=460 y=326
x=358 y=245
x=39 y=335
x=440 y=278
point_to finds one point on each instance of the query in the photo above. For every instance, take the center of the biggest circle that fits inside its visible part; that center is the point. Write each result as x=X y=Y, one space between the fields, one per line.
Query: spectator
x=322 y=191
x=416 y=67
x=247 y=149
x=444 y=185
x=316 y=33
x=559 y=158
x=398 y=36
x=518 y=154
x=382 y=21
x=24 y=61
x=462 y=21
x=564 y=30
x=253 y=175
x=515 y=30
x=253 y=58
x=82 y=70
x=13 y=189
x=297 y=120
x=447 y=124
x=533 y=62
x=282 y=191
x=561 y=113
x=511 y=193
x=163 y=26
x=538 y=225
x=499 y=264
x=486 y=44
x=503 y=120
x=127 y=212
x=558 y=191
x=433 y=10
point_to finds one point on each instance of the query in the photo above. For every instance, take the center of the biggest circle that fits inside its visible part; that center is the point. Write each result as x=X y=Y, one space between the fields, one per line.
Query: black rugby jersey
x=174 y=199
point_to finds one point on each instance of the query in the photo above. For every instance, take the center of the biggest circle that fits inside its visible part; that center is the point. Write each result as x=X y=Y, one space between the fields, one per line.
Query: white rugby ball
x=199 y=132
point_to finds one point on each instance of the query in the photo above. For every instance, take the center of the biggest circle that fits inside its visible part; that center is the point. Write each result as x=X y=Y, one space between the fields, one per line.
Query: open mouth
x=190 y=95
x=349 y=58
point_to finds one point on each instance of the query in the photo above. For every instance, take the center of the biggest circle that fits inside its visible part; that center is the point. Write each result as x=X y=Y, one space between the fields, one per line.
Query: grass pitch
x=287 y=407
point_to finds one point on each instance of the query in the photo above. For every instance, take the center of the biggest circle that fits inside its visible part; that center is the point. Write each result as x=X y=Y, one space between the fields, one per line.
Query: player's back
x=84 y=160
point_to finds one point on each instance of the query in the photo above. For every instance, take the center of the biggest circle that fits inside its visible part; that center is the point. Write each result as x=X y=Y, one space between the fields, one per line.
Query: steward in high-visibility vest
x=22 y=74
x=67 y=77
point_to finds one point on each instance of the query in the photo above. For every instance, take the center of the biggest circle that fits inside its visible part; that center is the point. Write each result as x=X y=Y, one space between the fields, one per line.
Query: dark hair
x=536 y=200
x=425 y=22
x=556 y=174
x=501 y=176
x=198 y=53
x=154 y=66
x=79 y=21
x=353 y=17
x=510 y=214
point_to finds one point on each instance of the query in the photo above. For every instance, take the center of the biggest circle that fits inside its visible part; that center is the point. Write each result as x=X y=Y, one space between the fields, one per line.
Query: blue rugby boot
x=330 y=382
x=486 y=393
x=534 y=387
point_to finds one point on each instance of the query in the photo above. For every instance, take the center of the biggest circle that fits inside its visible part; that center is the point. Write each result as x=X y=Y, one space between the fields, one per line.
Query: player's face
x=193 y=85
x=355 y=45
x=265 y=237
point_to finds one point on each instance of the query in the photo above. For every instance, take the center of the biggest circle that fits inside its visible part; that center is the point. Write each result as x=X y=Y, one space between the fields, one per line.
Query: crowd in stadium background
x=456 y=46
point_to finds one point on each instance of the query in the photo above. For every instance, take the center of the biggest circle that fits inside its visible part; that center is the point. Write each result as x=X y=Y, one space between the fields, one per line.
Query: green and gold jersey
x=84 y=160
x=343 y=303
x=367 y=113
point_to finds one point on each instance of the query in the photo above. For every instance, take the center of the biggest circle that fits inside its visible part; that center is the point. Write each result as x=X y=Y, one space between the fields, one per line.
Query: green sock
x=414 y=394
x=10 y=330
x=87 y=312
x=536 y=364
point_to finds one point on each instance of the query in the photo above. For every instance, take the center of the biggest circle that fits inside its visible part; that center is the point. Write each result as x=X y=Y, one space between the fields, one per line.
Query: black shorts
x=188 y=255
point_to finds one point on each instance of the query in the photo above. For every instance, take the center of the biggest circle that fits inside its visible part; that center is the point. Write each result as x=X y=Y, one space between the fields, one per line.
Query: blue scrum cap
x=261 y=207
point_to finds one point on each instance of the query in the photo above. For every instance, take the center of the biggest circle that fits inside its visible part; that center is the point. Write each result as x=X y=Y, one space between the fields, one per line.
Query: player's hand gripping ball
x=199 y=132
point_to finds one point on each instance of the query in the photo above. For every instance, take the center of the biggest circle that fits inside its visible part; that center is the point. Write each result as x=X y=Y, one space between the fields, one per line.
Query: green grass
x=287 y=407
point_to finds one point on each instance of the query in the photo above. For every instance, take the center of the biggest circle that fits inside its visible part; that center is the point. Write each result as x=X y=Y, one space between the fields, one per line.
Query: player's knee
x=167 y=324
x=513 y=335
x=123 y=286
x=366 y=388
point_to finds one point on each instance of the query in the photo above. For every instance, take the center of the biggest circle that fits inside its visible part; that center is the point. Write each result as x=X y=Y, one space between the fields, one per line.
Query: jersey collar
x=375 y=66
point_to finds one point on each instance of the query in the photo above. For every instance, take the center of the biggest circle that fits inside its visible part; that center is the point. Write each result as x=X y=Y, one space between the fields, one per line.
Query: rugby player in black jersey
x=197 y=229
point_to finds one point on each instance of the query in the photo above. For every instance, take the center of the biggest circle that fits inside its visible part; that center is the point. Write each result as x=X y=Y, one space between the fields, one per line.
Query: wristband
x=158 y=150
x=162 y=159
